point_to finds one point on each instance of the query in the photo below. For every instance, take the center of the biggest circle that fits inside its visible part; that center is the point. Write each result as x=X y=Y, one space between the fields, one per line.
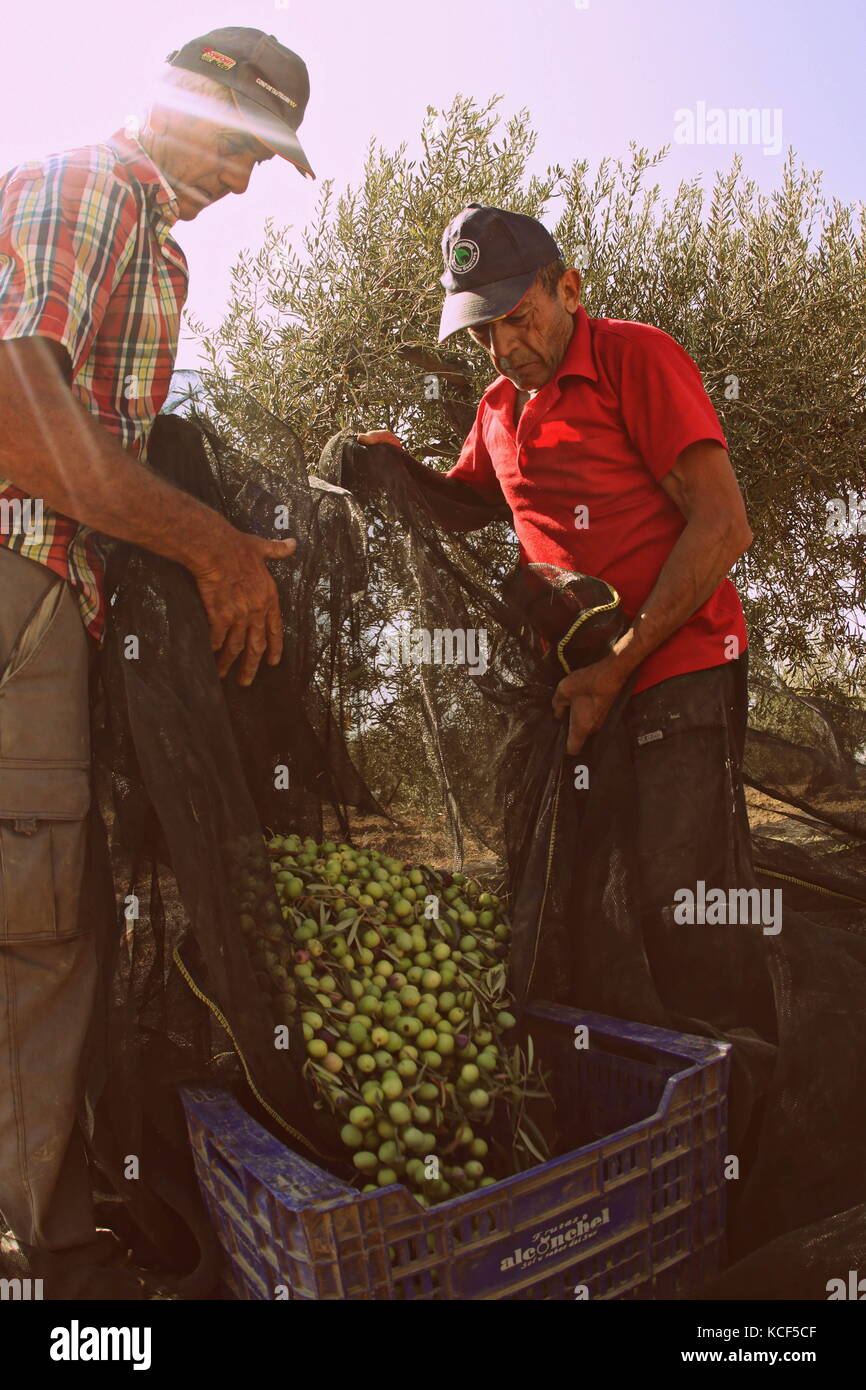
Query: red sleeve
x=664 y=405
x=475 y=467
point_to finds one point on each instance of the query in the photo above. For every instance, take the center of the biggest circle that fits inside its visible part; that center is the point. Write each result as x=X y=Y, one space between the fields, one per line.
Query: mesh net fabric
x=186 y=769
x=470 y=753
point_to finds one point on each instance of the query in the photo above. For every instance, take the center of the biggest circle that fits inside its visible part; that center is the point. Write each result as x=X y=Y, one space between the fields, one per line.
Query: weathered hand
x=379 y=437
x=588 y=694
x=241 y=600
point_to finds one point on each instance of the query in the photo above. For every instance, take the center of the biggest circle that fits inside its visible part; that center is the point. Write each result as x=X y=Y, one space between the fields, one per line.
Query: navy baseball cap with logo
x=491 y=259
x=270 y=84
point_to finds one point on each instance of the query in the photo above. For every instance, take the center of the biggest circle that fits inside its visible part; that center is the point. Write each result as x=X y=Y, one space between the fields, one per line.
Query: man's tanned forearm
x=700 y=560
x=703 y=486
x=54 y=449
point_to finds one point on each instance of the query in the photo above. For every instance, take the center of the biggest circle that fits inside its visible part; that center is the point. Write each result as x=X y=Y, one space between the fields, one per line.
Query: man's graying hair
x=549 y=276
x=194 y=93
x=198 y=83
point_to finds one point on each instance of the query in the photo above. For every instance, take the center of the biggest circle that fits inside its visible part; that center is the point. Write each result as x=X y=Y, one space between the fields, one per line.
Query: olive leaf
x=352 y=933
x=527 y=1142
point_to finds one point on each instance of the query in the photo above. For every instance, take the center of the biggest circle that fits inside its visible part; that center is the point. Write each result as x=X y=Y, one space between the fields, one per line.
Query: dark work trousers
x=687 y=736
x=47 y=956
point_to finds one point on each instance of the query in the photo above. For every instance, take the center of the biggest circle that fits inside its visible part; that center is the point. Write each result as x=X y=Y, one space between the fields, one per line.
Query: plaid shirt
x=86 y=259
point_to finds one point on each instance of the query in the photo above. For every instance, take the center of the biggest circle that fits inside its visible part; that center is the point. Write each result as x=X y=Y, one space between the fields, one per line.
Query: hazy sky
x=594 y=75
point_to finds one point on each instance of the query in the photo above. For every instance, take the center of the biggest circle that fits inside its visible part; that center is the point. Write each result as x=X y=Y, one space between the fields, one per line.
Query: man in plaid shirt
x=91 y=291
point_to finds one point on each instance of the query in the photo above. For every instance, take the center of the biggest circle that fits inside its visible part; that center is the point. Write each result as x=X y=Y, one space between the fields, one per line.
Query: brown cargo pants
x=47 y=958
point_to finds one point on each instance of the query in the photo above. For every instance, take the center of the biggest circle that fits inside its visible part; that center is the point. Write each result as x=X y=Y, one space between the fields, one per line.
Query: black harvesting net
x=360 y=734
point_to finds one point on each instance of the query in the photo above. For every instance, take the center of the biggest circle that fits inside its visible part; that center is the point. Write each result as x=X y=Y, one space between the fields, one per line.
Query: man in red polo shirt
x=600 y=437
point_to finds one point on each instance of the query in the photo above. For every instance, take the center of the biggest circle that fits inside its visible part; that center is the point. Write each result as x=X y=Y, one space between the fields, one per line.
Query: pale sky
x=593 y=78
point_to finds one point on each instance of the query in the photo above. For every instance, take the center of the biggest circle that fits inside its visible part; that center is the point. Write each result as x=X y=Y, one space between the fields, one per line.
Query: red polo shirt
x=581 y=474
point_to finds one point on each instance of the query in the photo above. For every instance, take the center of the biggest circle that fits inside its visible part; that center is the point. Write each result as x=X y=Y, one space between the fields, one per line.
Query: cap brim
x=470 y=308
x=273 y=133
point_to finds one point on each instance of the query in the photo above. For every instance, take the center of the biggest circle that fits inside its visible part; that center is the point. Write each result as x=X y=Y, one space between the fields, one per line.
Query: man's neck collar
x=134 y=153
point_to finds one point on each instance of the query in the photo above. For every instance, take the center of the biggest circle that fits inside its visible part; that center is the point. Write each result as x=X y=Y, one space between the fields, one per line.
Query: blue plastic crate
x=634 y=1209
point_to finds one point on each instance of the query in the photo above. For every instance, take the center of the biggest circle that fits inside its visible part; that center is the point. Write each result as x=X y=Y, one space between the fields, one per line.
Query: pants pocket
x=43 y=831
x=686 y=783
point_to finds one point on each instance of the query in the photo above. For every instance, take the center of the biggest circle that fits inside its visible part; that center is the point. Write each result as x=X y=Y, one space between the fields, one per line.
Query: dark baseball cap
x=491 y=259
x=270 y=84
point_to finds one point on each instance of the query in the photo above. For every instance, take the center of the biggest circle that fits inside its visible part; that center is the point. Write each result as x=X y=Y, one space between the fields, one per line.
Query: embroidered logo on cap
x=268 y=88
x=464 y=256
x=211 y=55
